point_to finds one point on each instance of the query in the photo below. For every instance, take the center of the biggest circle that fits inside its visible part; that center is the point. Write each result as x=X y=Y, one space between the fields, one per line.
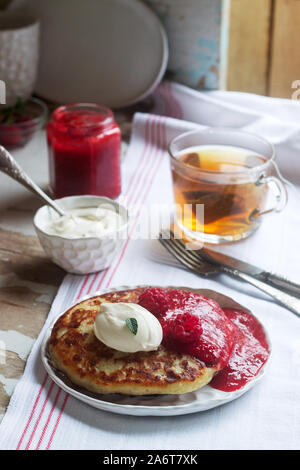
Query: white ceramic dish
x=154 y=405
x=80 y=255
x=19 y=46
x=112 y=52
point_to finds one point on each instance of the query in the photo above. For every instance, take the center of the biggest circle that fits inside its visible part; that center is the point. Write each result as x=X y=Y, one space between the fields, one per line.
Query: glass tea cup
x=222 y=180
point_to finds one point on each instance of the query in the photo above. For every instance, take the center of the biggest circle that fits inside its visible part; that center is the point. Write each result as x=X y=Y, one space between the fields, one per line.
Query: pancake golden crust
x=75 y=350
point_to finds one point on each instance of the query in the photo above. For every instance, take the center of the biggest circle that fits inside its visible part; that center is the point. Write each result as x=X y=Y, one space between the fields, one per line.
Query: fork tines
x=188 y=258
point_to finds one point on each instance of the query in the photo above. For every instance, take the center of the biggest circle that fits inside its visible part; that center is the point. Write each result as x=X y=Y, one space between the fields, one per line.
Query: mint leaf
x=132 y=325
x=10 y=114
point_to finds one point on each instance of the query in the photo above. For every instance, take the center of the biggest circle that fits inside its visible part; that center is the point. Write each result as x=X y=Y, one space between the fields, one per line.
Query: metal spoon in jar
x=9 y=166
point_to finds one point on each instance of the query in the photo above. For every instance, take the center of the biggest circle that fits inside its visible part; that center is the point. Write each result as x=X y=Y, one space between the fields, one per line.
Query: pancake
x=75 y=350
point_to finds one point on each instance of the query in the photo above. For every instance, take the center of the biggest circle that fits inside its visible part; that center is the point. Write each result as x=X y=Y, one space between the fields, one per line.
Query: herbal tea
x=217 y=176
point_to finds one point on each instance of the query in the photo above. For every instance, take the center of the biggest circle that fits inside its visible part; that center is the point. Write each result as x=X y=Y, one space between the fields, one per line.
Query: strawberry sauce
x=230 y=340
x=249 y=353
x=84 y=151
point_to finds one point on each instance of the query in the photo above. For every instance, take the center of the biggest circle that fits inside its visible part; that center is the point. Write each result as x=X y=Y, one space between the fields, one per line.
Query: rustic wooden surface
x=28 y=284
x=28 y=281
x=248 y=51
x=263 y=54
x=285 y=56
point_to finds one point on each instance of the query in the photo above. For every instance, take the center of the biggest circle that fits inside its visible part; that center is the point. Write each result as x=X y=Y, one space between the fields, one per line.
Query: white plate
x=113 y=52
x=153 y=405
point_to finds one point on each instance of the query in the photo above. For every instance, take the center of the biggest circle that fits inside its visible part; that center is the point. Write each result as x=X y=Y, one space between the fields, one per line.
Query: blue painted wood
x=196 y=39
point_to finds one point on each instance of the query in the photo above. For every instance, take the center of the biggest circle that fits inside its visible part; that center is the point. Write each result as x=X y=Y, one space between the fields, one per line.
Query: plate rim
x=163 y=410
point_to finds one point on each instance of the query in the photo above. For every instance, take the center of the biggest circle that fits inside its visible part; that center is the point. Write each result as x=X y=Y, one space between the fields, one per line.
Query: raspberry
x=192 y=324
x=183 y=328
x=155 y=300
x=181 y=333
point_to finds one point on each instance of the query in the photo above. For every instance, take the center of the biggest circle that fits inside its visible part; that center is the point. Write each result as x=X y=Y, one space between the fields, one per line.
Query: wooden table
x=28 y=280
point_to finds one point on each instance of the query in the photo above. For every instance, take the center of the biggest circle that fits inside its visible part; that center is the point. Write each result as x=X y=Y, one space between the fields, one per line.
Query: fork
x=192 y=262
x=280 y=282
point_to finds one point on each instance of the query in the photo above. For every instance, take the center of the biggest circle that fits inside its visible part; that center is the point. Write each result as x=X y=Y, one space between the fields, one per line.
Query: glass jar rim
x=102 y=110
x=225 y=131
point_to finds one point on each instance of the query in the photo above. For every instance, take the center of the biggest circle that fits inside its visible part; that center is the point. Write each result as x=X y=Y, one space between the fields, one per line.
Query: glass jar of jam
x=84 y=151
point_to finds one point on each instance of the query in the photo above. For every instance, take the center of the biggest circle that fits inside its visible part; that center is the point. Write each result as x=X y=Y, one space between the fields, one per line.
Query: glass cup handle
x=278 y=189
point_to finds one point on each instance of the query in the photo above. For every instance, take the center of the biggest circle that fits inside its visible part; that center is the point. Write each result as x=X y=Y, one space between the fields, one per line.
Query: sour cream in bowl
x=88 y=238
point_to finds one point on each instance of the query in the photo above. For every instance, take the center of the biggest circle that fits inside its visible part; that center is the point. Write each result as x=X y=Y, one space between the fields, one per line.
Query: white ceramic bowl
x=80 y=255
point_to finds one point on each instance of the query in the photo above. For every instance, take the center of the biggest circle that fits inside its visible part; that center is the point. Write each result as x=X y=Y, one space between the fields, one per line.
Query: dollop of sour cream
x=111 y=328
x=85 y=222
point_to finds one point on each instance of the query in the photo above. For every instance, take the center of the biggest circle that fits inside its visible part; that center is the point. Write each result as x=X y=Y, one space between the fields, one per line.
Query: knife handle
x=281 y=282
x=283 y=298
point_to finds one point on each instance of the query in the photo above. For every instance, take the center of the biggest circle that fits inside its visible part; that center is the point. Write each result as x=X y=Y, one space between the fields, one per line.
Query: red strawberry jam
x=231 y=340
x=192 y=324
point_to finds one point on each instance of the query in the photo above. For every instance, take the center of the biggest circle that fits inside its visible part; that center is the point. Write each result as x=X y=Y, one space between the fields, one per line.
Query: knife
x=275 y=280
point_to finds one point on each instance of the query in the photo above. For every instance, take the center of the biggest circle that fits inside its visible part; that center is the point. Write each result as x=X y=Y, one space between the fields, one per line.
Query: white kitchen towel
x=41 y=416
